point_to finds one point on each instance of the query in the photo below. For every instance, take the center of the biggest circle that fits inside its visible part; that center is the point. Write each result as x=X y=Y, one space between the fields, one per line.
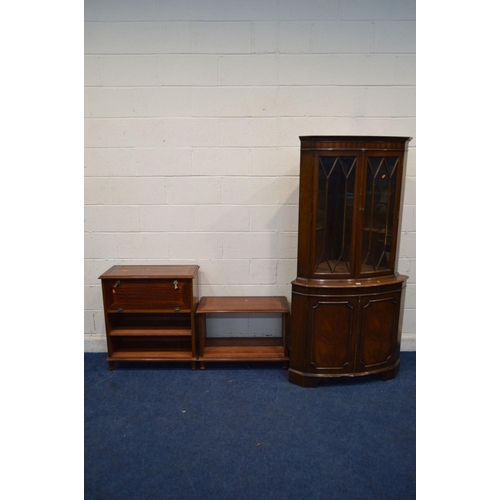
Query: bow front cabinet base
x=346 y=329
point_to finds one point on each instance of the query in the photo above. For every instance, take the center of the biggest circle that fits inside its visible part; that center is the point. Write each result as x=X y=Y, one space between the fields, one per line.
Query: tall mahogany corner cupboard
x=347 y=299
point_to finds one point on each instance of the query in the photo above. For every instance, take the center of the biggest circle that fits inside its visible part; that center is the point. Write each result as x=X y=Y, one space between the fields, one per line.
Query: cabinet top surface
x=243 y=305
x=353 y=141
x=158 y=272
x=353 y=138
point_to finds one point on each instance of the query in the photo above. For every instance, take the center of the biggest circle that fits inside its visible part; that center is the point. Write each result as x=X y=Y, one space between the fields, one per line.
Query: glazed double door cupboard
x=347 y=299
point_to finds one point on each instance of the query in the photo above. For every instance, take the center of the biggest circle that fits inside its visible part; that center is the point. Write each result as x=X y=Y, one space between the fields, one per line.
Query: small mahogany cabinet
x=149 y=313
x=347 y=299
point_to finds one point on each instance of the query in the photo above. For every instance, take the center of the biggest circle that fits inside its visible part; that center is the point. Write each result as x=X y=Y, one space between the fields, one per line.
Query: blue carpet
x=242 y=431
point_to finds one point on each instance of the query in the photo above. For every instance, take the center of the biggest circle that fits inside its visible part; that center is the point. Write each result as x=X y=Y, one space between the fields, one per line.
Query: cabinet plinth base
x=312 y=380
x=152 y=357
x=390 y=374
x=301 y=379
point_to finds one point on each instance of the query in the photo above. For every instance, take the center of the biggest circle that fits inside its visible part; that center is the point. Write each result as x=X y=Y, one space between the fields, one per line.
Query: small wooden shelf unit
x=246 y=348
x=150 y=313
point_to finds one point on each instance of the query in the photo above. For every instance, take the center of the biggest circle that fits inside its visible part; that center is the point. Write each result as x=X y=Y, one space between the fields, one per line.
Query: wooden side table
x=246 y=348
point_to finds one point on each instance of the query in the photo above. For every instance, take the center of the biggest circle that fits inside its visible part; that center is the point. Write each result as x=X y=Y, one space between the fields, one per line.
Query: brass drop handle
x=117 y=284
x=176 y=284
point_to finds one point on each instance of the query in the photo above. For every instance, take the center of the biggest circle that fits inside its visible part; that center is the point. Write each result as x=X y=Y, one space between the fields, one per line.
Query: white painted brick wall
x=221 y=38
x=193 y=112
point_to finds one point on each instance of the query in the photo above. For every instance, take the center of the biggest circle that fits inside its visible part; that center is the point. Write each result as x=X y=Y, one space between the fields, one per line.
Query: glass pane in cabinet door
x=379 y=208
x=334 y=215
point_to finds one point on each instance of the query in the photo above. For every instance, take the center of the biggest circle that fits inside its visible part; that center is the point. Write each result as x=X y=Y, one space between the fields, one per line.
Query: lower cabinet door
x=378 y=342
x=332 y=342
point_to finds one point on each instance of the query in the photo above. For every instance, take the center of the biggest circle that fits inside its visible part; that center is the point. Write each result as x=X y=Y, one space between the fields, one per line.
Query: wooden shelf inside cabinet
x=151 y=356
x=152 y=332
x=247 y=348
x=149 y=313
